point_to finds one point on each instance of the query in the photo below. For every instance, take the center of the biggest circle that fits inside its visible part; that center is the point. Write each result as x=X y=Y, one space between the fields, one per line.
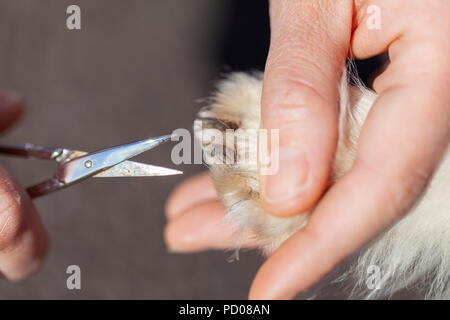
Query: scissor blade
x=96 y=162
x=130 y=150
x=136 y=169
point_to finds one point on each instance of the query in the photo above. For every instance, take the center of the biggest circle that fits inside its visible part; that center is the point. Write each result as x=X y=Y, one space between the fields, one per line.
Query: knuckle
x=287 y=99
x=288 y=93
x=295 y=59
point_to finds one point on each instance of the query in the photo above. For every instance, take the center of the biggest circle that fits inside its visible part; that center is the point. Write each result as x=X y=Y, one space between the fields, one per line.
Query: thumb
x=309 y=45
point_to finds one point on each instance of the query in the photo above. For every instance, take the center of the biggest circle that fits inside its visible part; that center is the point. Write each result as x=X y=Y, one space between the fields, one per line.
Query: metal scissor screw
x=88 y=164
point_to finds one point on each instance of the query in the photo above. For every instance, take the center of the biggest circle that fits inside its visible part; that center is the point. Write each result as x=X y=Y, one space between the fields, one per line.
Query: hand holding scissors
x=23 y=240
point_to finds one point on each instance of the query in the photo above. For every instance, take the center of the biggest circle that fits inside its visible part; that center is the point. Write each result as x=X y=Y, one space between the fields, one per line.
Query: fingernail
x=9 y=99
x=291 y=178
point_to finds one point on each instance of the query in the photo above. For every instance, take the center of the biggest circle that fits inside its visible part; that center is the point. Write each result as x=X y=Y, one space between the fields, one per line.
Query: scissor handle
x=45 y=187
x=29 y=150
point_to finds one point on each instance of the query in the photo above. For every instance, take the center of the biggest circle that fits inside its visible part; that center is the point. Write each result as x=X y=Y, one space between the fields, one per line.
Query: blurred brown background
x=135 y=69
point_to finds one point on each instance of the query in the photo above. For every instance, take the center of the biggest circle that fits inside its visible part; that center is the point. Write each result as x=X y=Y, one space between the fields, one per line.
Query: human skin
x=23 y=241
x=401 y=142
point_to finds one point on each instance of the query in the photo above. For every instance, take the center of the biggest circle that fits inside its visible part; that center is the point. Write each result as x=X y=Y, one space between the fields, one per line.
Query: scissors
x=75 y=166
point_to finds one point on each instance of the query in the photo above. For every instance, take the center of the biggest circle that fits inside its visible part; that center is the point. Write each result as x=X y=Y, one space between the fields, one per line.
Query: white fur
x=416 y=249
